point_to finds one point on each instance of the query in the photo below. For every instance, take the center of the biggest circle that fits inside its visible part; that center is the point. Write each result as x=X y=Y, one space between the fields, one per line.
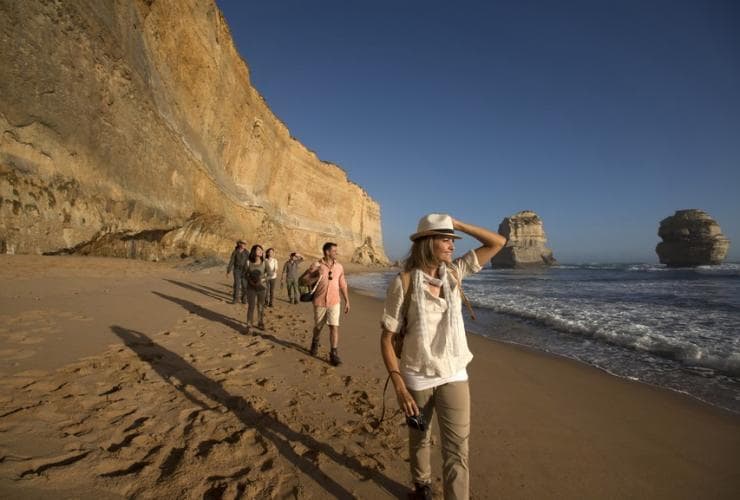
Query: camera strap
x=382 y=413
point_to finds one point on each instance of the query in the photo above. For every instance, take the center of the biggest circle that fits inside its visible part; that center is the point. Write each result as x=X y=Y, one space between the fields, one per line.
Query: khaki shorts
x=326 y=315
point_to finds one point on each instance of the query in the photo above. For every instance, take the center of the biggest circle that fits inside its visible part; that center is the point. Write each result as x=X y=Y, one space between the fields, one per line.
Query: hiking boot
x=314 y=346
x=261 y=325
x=334 y=358
x=421 y=492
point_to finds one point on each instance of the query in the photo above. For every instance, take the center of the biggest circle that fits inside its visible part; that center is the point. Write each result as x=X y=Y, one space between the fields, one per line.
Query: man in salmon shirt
x=327 y=301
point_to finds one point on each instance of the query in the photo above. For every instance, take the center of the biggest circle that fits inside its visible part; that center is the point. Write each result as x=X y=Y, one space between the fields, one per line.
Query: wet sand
x=131 y=379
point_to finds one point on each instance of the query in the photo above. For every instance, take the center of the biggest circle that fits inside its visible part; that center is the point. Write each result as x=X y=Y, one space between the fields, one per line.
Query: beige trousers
x=451 y=402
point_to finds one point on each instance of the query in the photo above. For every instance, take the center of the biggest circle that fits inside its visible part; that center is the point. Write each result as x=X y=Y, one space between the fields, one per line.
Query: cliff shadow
x=232 y=323
x=170 y=366
x=205 y=290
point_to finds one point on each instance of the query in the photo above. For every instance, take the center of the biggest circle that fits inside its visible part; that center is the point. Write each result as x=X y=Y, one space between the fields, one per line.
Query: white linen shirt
x=412 y=355
x=271 y=266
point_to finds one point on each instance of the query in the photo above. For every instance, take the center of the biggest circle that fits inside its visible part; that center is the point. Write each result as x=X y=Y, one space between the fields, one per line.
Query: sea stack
x=691 y=238
x=526 y=242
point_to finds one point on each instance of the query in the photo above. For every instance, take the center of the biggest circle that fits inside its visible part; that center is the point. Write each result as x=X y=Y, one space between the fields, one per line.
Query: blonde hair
x=421 y=255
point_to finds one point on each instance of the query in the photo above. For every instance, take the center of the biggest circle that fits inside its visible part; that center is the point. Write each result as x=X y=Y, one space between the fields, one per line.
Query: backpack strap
x=406 y=285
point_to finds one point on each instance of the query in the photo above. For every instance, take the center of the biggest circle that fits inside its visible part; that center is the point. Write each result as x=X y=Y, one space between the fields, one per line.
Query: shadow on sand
x=205 y=290
x=234 y=324
x=170 y=365
x=225 y=295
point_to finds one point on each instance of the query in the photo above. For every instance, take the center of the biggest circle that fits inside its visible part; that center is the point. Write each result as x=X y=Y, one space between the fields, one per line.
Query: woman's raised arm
x=492 y=241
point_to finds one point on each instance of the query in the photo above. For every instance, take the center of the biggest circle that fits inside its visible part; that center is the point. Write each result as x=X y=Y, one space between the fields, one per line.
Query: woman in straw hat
x=424 y=307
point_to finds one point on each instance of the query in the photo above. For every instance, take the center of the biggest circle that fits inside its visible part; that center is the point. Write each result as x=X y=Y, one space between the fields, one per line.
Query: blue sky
x=604 y=117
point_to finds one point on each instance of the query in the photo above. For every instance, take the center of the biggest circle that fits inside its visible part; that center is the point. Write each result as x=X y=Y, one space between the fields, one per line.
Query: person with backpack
x=330 y=287
x=254 y=276
x=423 y=325
x=237 y=263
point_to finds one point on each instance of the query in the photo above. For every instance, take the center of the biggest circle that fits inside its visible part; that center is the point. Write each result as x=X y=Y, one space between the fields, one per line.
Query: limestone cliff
x=691 y=238
x=526 y=242
x=130 y=128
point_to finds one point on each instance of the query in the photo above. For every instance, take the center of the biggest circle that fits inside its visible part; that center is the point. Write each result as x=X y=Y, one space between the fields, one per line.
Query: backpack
x=255 y=276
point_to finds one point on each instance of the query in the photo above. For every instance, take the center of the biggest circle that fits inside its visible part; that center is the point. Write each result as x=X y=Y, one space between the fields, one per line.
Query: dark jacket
x=238 y=261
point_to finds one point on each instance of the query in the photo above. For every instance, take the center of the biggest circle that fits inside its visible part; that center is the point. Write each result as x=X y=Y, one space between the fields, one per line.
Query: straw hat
x=435 y=225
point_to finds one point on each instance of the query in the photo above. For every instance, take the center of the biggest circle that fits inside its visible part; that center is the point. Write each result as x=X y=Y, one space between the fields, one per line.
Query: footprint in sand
x=116 y=417
x=114 y=468
x=136 y=424
x=119 y=442
x=171 y=462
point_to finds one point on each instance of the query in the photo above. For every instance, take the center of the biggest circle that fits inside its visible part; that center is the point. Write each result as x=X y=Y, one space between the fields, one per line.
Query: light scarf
x=440 y=350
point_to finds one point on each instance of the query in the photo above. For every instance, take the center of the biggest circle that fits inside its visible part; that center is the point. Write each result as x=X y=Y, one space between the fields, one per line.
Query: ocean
x=674 y=328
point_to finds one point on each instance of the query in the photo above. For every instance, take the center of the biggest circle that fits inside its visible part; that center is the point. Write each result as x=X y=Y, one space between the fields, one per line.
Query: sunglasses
x=329 y=275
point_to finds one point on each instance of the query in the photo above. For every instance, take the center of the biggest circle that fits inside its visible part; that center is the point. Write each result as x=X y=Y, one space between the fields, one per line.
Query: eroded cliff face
x=130 y=128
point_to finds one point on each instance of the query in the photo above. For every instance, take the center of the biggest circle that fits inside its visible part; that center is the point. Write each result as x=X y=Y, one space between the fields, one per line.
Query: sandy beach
x=126 y=379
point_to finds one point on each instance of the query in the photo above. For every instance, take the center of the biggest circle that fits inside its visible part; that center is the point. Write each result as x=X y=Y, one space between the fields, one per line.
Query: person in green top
x=290 y=274
x=254 y=276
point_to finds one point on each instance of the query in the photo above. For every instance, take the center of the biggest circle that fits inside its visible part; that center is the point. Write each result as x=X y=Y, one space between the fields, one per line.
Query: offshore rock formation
x=130 y=128
x=367 y=255
x=526 y=242
x=691 y=238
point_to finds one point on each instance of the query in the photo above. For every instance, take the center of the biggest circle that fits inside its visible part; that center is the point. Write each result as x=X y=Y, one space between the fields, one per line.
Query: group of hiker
x=255 y=275
x=423 y=342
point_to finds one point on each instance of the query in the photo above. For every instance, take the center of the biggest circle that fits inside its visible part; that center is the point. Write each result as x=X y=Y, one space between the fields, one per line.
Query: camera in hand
x=417 y=422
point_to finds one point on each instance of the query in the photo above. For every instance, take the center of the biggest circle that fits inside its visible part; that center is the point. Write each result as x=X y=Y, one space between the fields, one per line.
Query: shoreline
x=168 y=398
x=617 y=360
x=585 y=364
x=623 y=378
x=606 y=371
